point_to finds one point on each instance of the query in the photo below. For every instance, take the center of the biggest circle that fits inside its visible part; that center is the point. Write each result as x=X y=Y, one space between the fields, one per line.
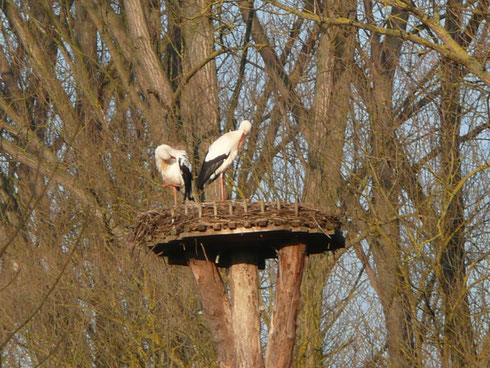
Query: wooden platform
x=216 y=230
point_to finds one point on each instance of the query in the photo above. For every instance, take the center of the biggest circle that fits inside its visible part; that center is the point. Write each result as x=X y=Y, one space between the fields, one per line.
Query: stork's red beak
x=242 y=141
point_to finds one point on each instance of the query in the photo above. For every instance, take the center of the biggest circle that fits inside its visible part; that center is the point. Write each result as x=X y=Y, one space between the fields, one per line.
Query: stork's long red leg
x=222 y=186
x=175 y=191
x=175 y=195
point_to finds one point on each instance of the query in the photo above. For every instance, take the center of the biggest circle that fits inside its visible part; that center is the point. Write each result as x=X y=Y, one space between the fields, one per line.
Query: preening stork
x=175 y=168
x=220 y=156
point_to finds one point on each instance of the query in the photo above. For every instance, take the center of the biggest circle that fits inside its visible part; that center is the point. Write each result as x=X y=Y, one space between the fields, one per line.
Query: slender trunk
x=395 y=292
x=459 y=348
x=325 y=134
x=386 y=245
x=152 y=80
x=199 y=124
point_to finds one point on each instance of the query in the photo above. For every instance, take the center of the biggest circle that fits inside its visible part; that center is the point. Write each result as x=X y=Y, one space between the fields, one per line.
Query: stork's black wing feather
x=208 y=168
x=185 y=169
x=187 y=175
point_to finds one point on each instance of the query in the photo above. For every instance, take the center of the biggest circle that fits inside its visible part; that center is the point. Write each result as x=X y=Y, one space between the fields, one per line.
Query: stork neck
x=242 y=141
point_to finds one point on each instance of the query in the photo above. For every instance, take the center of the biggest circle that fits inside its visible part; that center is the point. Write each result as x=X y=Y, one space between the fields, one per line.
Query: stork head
x=245 y=127
x=164 y=152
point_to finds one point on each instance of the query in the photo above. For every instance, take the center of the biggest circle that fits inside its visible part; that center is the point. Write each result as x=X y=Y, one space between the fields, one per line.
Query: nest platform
x=217 y=231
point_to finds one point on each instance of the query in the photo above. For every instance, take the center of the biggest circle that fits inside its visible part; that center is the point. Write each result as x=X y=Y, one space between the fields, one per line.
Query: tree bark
x=282 y=333
x=147 y=64
x=395 y=293
x=216 y=308
x=198 y=102
x=145 y=55
x=245 y=310
x=325 y=132
x=459 y=349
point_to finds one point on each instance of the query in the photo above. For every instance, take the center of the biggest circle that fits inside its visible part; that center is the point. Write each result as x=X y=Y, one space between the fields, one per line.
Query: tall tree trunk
x=150 y=76
x=459 y=349
x=386 y=250
x=325 y=134
x=385 y=246
x=199 y=101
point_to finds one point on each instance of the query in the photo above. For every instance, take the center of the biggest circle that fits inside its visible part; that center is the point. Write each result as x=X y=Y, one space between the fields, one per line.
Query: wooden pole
x=244 y=287
x=282 y=332
x=216 y=308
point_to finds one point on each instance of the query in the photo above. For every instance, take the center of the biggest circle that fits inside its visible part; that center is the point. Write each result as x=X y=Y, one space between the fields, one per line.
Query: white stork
x=220 y=156
x=175 y=168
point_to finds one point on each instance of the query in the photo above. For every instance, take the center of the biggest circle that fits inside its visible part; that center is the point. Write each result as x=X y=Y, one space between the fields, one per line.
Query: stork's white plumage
x=220 y=156
x=175 y=168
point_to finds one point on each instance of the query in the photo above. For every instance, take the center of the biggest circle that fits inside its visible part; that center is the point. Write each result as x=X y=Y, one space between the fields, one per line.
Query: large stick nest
x=192 y=219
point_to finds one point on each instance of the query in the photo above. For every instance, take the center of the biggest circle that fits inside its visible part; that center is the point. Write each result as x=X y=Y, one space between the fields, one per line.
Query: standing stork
x=220 y=156
x=176 y=170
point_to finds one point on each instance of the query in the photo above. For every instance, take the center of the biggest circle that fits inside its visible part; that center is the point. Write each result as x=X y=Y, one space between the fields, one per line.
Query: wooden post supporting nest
x=245 y=317
x=282 y=332
x=235 y=326
x=216 y=308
